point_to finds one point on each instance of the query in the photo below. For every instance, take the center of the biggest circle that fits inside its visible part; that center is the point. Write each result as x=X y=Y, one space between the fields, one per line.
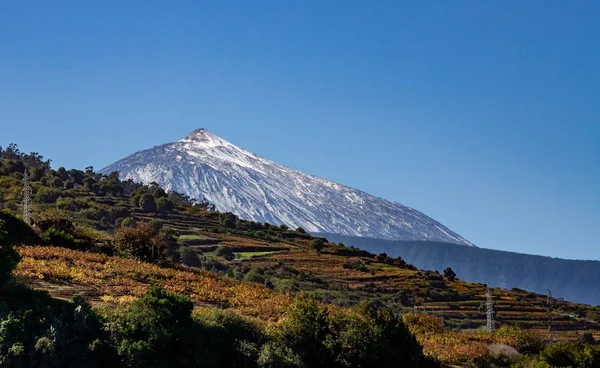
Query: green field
x=248 y=255
x=194 y=237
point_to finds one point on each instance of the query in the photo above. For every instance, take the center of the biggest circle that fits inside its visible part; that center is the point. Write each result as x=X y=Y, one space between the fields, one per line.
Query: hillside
x=203 y=165
x=570 y=279
x=115 y=240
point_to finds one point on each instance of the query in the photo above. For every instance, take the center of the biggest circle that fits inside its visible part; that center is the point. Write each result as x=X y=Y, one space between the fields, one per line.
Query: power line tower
x=27 y=192
x=489 y=309
x=550 y=304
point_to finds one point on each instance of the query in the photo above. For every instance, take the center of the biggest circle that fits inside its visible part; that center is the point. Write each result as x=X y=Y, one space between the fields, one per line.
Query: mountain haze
x=254 y=188
x=574 y=280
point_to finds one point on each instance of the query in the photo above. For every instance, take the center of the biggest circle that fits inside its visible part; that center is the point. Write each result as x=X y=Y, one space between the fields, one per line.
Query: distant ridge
x=235 y=180
x=575 y=280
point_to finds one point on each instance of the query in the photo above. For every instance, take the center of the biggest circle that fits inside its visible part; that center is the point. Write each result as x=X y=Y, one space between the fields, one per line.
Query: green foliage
x=189 y=257
x=38 y=331
x=317 y=245
x=449 y=274
x=181 y=200
x=157 y=331
x=128 y=222
x=47 y=195
x=254 y=276
x=156 y=225
x=525 y=341
x=159 y=192
x=307 y=332
x=59 y=238
x=356 y=265
x=56 y=182
x=9 y=258
x=141 y=242
x=227 y=220
x=164 y=206
x=17 y=231
x=147 y=203
x=571 y=354
x=369 y=337
x=225 y=252
x=57 y=220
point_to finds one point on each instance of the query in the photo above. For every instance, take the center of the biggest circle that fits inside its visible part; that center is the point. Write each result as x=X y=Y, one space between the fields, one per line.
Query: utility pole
x=489 y=309
x=26 y=198
x=550 y=304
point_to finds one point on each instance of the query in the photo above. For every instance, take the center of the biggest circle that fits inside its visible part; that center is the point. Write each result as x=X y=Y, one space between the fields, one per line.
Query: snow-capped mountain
x=254 y=188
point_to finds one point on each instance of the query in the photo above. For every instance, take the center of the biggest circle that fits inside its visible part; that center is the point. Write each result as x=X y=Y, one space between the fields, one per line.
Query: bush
x=17 y=231
x=128 y=222
x=317 y=245
x=147 y=203
x=47 y=195
x=189 y=257
x=225 y=252
x=368 y=337
x=571 y=354
x=9 y=258
x=137 y=242
x=56 y=220
x=157 y=331
x=156 y=225
x=526 y=342
x=227 y=220
x=59 y=238
x=164 y=206
x=254 y=276
x=449 y=274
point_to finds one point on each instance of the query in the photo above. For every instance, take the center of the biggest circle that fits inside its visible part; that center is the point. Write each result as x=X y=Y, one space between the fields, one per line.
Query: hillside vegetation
x=133 y=276
x=570 y=279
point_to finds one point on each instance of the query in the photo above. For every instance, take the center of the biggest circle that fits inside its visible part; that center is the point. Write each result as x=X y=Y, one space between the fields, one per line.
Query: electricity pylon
x=26 y=198
x=489 y=309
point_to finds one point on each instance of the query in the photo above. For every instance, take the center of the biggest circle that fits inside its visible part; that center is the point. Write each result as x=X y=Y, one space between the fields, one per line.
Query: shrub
x=571 y=354
x=225 y=252
x=147 y=203
x=356 y=265
x=227 y=220
x=47 y=195
x=156 y=225
x=164 y=206
x=317 y=245
x=157 y=330
x=59 y=238
x=56 y=182
x=9 y=258
x=449 y=274
x=128 y=222
x=68 y=184
x=189 y=257
x=254 y=276
x=137 y=242
x=56 y=220
x=524 y=341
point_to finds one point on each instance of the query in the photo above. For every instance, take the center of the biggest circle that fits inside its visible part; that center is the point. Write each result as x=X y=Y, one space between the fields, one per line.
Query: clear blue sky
x=484 y=115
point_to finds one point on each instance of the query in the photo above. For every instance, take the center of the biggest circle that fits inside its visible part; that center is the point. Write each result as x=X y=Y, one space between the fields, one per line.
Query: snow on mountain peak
x=203 y=165
x=203 y=138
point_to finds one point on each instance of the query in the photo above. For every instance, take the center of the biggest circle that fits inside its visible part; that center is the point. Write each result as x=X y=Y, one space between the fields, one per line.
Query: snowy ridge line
x=254 y=188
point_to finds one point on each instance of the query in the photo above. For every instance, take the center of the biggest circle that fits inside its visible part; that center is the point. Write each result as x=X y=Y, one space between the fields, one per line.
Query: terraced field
x=339 y=275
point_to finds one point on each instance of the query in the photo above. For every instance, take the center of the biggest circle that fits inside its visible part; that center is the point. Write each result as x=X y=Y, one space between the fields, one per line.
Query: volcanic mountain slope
x=235 y=180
